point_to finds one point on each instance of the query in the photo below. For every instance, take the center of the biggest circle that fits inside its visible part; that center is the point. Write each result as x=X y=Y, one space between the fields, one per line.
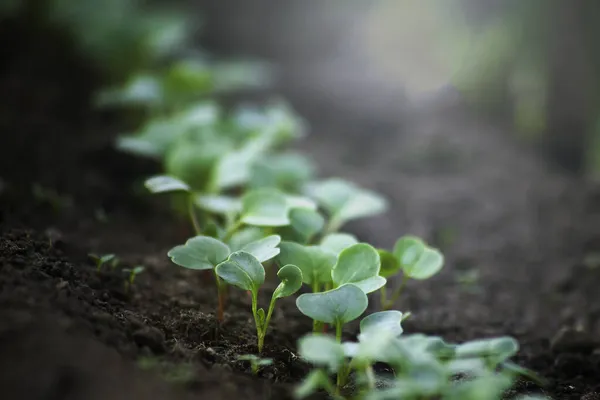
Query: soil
x=519 y=238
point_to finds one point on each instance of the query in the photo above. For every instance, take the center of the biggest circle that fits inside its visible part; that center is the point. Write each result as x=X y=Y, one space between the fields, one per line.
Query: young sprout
x=102 y=260
x=343 y=201
x=256 y=363
x=131 y=274
x=414 y=258
x=205 y=253
x=244 y=270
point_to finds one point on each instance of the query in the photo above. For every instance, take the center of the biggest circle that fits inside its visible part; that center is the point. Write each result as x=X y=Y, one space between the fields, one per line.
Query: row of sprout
x=256 y=205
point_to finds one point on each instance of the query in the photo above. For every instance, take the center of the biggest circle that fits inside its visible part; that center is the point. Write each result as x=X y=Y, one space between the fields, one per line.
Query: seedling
x=244 y=270
x=131 y=274
x=414 y=259
x=205 y=253
x=344 y=201
x=425 y=366
x=102 y=260
x=256 y=363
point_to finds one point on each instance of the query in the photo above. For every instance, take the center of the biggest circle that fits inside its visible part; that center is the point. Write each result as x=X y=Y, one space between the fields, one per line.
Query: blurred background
x=531 y=65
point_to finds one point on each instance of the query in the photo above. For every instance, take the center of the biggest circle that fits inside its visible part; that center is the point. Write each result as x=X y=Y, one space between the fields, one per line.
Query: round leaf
x=218 y=204
x=408 y=249
x=345 y=201
x=306 y=222
x=356 y=263
x=371 y=284
x=496 y=350
x=340 y=305
x=390 y=265
x=336 y=242
x=265 y=207
x=314 y=262
x=242 y=270
x=430 y=263
x=164 y=184
x=322 y=351
x=200 y=252
x=291 y=281
x=389 y=321
x=263 y=249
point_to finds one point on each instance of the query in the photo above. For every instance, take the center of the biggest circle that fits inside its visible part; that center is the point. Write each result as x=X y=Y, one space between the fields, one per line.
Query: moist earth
x=520 y=237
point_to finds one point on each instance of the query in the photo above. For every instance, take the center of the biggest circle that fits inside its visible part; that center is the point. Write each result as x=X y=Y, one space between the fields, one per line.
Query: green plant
x=256 y=363
x=244 y=270
x=131 y=274
x=411 y=257
x=102 y=260
x=205 y=253
x=425 y=366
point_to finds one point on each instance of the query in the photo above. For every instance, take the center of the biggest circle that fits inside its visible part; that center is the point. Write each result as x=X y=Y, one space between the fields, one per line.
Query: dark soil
x=68 y=332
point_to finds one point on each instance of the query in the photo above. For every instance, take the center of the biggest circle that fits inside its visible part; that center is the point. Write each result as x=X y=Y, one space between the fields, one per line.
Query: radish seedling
x=256 y=363
x=425 y=366
x=205 y=253
x=245 y=271
x=414 y=259
x=343 y=201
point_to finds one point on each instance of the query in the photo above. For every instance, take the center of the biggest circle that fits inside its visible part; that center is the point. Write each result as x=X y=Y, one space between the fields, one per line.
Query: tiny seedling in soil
x=256 y=363
x=131 y=274
x=104 y=260
x=414 y=259
x=245 y=271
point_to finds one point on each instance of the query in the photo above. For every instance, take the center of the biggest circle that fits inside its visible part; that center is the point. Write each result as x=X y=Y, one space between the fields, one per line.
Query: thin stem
x=193 y=216
x=333 y=225
x=370 y=377
x=396 y=293
x=317 y=325
x=338 y=331
x=383 y=298
x=220 y=299
x=231 y=230
x=265 y=326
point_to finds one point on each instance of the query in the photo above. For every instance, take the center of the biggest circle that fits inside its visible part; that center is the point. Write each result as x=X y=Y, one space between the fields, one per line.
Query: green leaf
x=164 y=184
x=408 y=249
x=357 y=263
x=321 y=350
x=306 y=222
x=314 y=262
x=389 y=321
x=200 y=252
x=345 y=201
x=300 y=202
x=263 y=249
x=265 y=207
x=242 y=270
x=429 y=264
x=495 y=350
x=340 y=305
x=390 y=265
x=244 y=237
x=218 y=204
x=261 y=316
x=418 y=261
x=291 y=281
x=336 y=242
x=287 y=172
